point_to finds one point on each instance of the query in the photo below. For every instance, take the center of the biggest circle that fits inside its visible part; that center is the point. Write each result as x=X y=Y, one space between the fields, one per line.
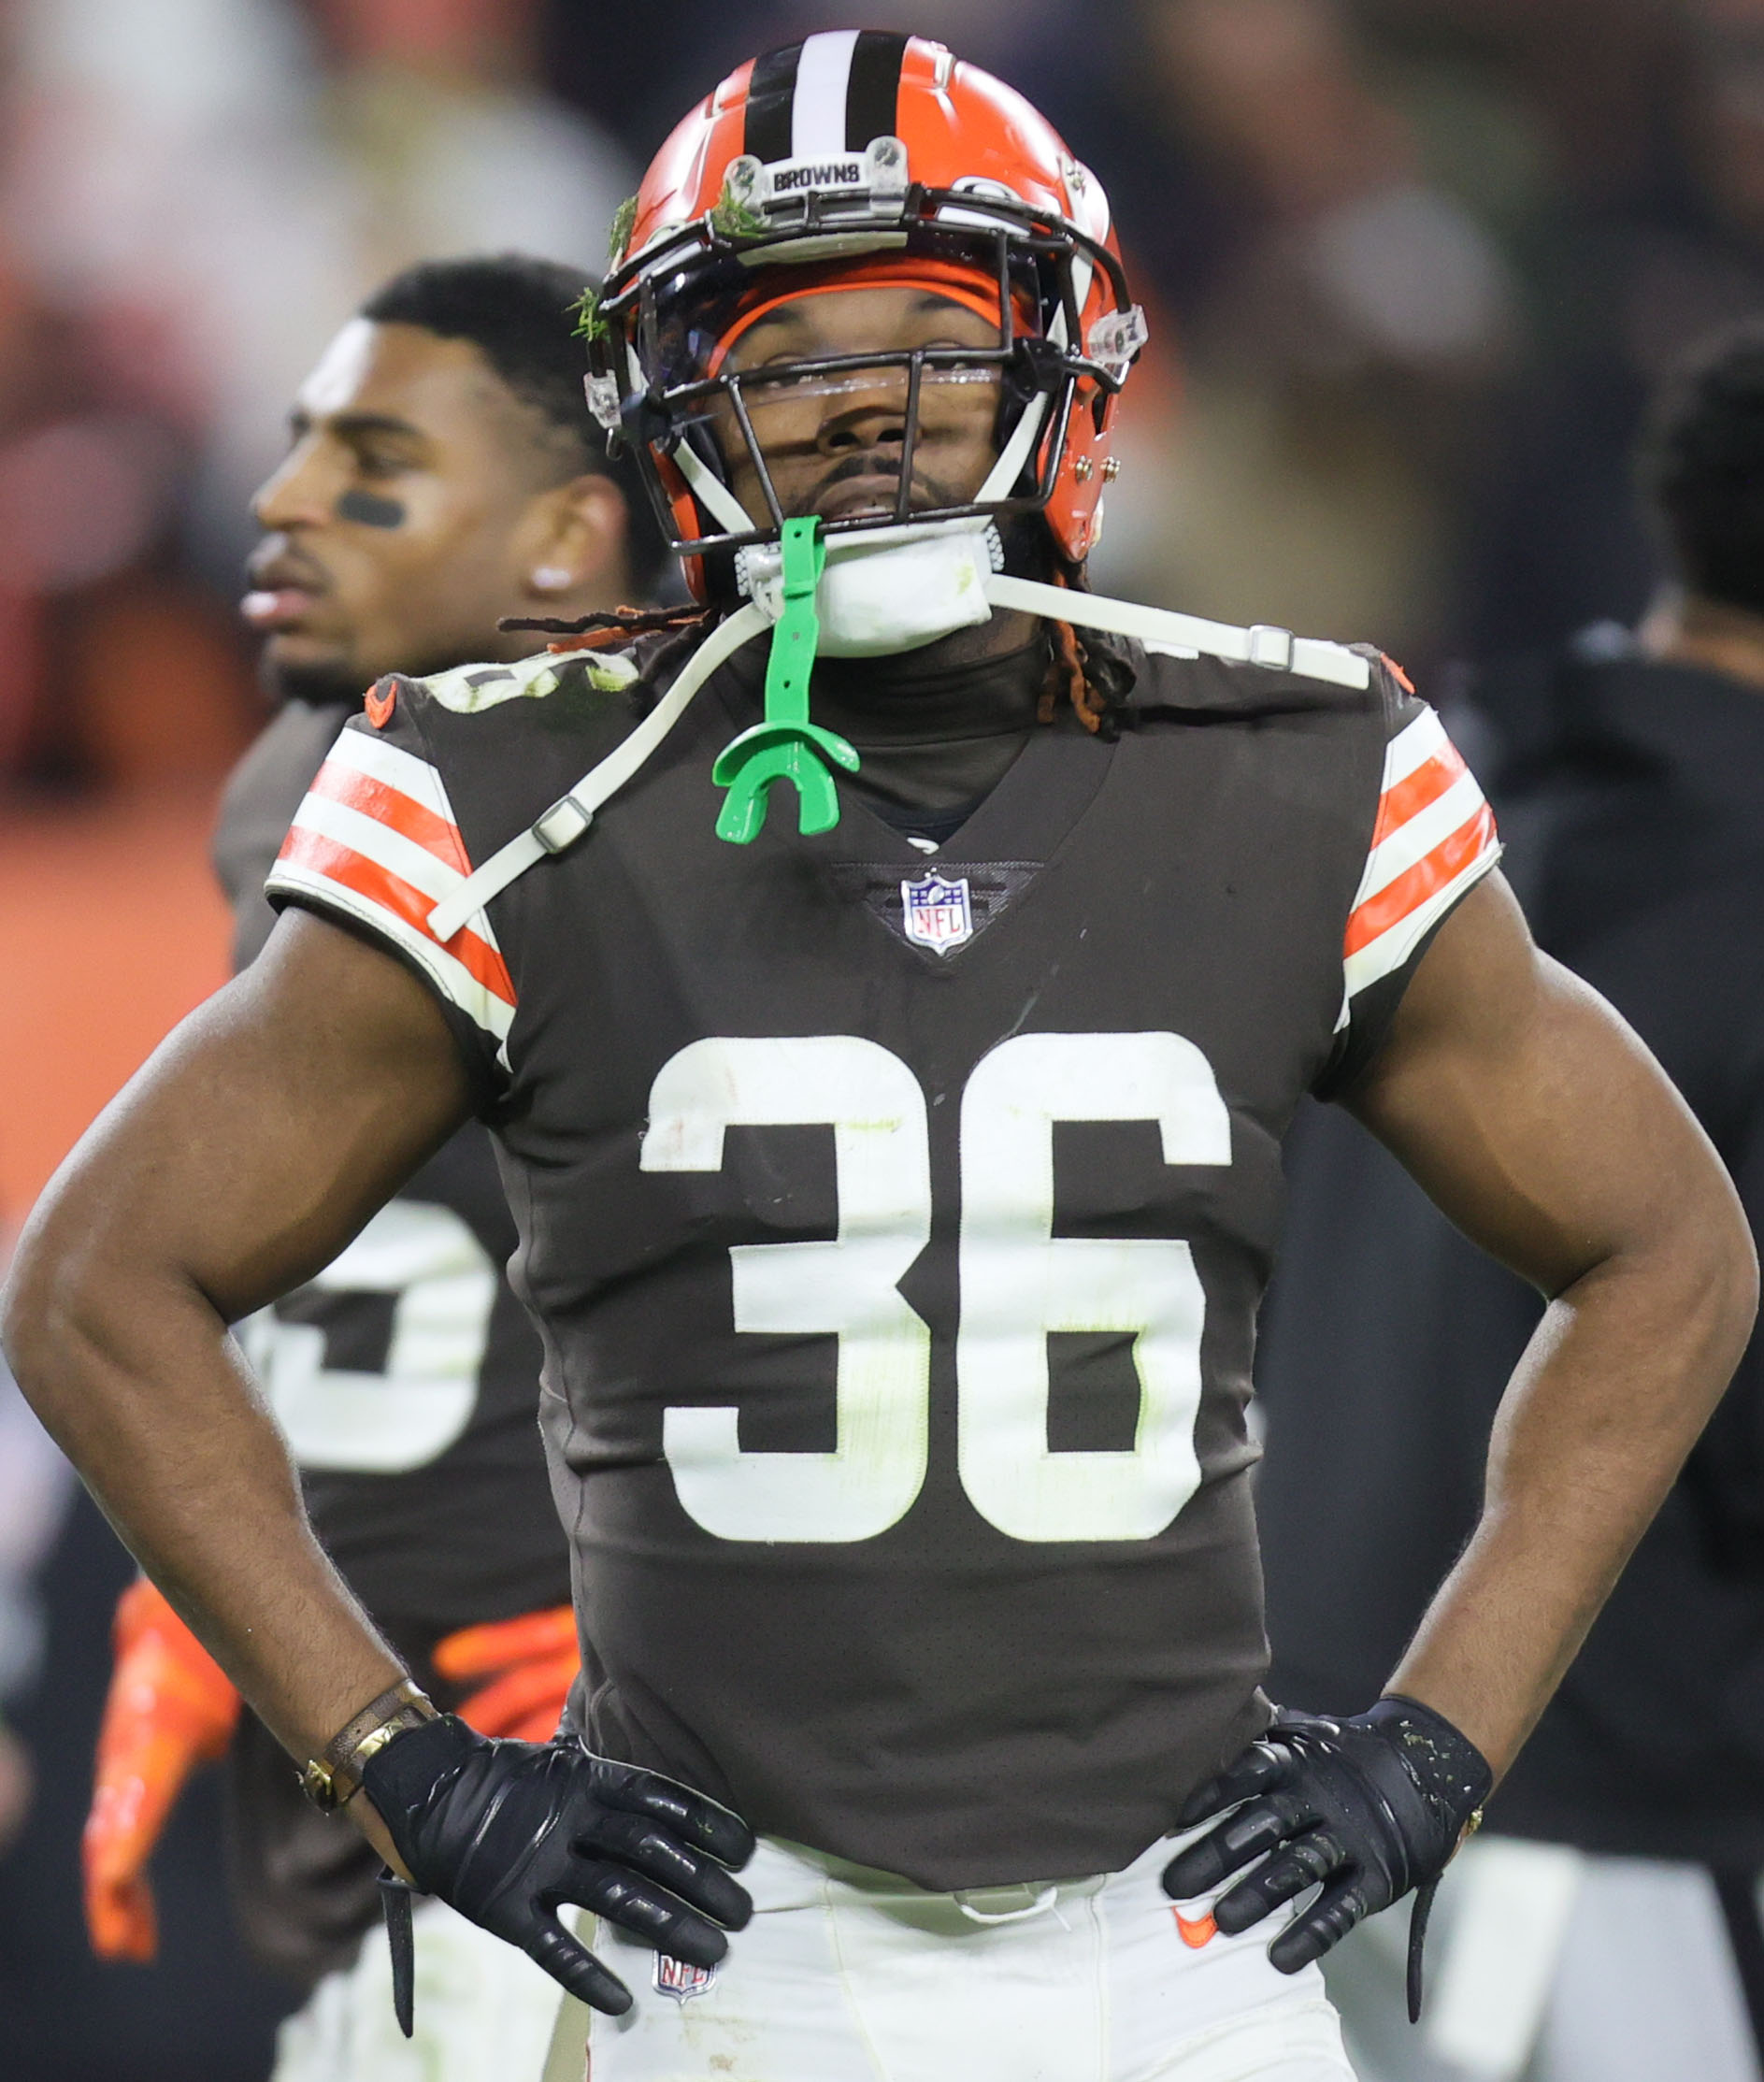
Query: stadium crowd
x=1413 y=270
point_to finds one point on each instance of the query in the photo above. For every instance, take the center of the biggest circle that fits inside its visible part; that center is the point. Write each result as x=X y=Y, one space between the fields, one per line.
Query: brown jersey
x=895 y=1223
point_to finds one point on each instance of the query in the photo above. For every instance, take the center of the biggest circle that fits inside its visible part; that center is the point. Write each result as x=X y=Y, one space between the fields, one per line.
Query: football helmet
x=853 y=158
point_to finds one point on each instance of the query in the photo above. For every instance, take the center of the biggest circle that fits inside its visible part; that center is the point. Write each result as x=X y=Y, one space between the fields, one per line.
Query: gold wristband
x=334 y=1776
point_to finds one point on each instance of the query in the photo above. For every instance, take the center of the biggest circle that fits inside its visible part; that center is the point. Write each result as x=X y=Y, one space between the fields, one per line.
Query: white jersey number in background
x=443 y=1286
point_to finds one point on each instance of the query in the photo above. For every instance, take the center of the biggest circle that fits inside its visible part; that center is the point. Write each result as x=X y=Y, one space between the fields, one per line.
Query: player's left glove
x=1370 y=1807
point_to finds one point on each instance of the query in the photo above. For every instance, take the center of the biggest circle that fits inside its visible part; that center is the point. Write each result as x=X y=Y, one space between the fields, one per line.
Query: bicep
x=268 y=1126
x=1527 y=1108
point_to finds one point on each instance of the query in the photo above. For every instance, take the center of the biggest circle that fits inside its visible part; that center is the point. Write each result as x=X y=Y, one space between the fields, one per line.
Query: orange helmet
x=858 y=156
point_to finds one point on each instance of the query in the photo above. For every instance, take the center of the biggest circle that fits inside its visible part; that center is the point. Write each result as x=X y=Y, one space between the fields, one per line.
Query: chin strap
x=786 y=746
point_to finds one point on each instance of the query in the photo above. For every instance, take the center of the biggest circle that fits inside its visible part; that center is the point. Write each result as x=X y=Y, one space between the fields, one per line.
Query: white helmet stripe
x=817 y=108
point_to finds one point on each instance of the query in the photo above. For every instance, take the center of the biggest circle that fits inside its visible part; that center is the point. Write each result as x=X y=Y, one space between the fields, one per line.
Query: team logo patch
x=682 y=1981
x=937 y=912
x=1194 y=1934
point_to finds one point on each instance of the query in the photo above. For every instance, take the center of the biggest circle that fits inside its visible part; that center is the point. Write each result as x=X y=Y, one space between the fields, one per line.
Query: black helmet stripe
x=873 y=88
x=770 y=93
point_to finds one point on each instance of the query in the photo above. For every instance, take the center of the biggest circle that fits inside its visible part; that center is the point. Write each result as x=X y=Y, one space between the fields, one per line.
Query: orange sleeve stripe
x=1429 y=875
x=1414 y=791
x=369 y=878
x=391 y=807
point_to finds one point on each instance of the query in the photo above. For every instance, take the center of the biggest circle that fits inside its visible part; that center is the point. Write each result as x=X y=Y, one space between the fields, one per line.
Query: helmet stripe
x=766 y=133
x=818 y=106
x=874 y=87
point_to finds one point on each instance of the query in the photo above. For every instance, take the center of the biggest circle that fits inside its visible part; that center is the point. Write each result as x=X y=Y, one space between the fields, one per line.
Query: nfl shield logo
x=674 y=1977
x=936 y=912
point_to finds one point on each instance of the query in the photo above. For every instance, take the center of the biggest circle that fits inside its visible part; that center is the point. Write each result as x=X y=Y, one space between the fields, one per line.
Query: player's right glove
x=169 y=1708
x=505 y=1831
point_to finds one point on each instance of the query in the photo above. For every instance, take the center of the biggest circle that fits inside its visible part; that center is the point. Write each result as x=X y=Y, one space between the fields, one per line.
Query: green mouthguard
x=786 y=746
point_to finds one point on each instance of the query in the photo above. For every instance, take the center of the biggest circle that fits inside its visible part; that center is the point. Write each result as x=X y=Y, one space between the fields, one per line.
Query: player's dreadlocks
x=516 y=312
x=1702 y=468
x=1089 y=671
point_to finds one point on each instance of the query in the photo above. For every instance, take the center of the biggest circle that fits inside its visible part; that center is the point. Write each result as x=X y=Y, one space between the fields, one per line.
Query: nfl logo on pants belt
x=682 y=1981
x=937 y=912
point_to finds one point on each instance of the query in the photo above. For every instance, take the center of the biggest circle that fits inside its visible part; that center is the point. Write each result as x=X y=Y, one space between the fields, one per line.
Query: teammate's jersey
x=895 y=1225
x=405 y=1378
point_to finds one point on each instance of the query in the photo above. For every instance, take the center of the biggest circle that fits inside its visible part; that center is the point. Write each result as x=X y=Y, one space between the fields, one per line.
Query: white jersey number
x=1019 y=1283
x=882 y=1155
x=445 y=1287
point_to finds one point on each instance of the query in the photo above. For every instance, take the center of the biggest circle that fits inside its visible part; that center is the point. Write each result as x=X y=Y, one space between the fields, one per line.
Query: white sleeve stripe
x=1412 y=842
x=452 y=978
x=1413 y=746
x=1386 y=954
x=396 y=767
x=387 y=848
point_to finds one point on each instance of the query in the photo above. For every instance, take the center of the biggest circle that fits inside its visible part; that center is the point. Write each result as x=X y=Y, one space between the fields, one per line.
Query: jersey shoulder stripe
x=376 y=840
x=1434 y=837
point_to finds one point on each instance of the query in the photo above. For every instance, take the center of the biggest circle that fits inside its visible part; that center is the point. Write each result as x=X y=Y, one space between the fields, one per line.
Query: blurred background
x=1412 y=267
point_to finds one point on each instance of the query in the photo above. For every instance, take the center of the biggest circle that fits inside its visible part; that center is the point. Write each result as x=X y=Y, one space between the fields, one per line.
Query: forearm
x=139 y=1383
x=235 y=1164
x=1604 y=1405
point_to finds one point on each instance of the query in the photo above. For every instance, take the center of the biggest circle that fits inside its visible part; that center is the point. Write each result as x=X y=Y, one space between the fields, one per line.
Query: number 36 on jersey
x=1019 y=1283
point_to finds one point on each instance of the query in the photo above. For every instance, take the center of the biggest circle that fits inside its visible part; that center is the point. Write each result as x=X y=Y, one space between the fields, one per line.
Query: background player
x=443 y=474
x=1611 y=1927
x=949 y=1635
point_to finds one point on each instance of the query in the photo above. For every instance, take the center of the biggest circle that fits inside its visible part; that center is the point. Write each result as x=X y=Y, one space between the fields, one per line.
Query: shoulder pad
x=470 y=689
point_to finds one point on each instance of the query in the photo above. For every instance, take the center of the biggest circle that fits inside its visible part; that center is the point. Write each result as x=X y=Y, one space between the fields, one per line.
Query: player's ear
x=572 y=543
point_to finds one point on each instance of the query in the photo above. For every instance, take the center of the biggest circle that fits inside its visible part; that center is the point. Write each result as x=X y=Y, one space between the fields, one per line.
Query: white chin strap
x=880 y=564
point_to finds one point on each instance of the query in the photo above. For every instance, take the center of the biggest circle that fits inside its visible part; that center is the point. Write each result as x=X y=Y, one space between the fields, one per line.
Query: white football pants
x=1546 y=1965
x=851 y=1976
x=484 y=2013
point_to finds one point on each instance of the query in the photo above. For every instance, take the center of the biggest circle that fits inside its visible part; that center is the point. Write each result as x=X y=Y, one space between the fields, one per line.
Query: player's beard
x=927 y=492
x=1027 y=547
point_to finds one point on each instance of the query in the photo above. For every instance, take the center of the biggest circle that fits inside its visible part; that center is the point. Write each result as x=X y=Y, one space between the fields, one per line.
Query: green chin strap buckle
x=786 y=746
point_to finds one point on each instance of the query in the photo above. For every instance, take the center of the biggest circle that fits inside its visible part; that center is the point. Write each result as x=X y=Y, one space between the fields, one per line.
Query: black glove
x=507 y=1831
x=1371 y=1807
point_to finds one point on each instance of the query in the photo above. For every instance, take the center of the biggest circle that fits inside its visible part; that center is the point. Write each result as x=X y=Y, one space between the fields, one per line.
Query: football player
x=888 y=989
x=443 y=473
